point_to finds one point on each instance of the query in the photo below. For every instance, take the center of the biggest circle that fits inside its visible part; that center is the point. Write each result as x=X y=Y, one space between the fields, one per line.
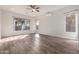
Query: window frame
x=22 y=25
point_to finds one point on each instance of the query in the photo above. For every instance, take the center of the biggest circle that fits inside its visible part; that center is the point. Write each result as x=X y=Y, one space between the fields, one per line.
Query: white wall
x=55 y=24
x=0 y=24
x=8 y=24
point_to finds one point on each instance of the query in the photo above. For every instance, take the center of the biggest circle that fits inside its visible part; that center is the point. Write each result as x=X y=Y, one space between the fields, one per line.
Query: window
x=21 y=24
x=71 y=23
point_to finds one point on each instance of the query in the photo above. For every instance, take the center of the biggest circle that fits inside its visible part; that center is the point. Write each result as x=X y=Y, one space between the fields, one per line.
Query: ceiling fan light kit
x=33 y=10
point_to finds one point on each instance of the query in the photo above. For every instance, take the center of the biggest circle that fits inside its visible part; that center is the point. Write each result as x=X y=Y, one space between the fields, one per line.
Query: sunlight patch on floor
x=13 y=38
x=71 y=41
x=36 y=43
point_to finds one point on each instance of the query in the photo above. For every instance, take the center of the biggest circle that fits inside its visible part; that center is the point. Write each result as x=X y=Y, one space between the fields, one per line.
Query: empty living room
x=39 y=29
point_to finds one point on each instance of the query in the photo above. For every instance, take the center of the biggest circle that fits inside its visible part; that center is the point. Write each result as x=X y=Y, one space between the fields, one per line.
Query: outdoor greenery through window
x=21 y=24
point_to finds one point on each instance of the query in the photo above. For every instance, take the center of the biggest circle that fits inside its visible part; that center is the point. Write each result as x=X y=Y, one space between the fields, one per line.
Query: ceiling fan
x=34 y=8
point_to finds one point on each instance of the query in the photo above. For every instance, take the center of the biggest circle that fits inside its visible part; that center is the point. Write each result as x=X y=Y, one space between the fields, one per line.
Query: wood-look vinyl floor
x=37 y=44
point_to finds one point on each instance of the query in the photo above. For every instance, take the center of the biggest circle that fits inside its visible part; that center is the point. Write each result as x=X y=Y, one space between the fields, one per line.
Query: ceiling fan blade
x=37 y=7
x=33 y=6
x=32 y=11
x=37 y=10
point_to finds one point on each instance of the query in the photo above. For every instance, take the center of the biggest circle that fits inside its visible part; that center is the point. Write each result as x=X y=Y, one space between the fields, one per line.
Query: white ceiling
x=22 y=9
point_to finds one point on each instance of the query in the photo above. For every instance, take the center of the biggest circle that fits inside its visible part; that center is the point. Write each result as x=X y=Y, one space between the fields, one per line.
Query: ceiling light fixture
x=48 y=13
x=33 y=15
